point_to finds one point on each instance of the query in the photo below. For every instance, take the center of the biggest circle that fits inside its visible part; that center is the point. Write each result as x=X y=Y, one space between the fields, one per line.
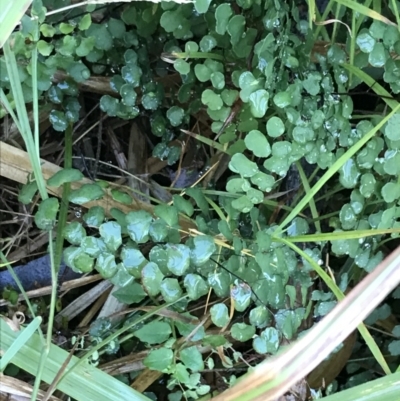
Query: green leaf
x=242 y=165
x=242 y=332
x=133 y=260
x=27 y=192
x=121 y=197
x=105 y=265
x=85 y=22
x=192 y=359
x=58 y=120
x=201 y=6
x=152 y=278
x=391 y=191
x=260 y=317
x=110 y=232
x=183 y=205
x=195 y=286
x=95 y=216
x=241 y=296
x=109 y=105
x=394 y=348
x=259 y=103
x=222 y=15
x=243 y=204
x=178 y=257
x=264 y=182
x=116 y=27
x=104 y=40
x=236 y=27
x=182 y=66
x=204 y=248
x=175 y=115
x=220 y=315
x=66 y=28
x=132 y=74
x=349 y=174
x=63 y=176
x=46 y=216
x=212 y=100
x=154 y=333
x=378 y=56
x=267 y=342
x=168 y=213
x=93 y=246
x=83 y=263
x=202 y=72
x=392 y=130
x=74 y=233
x=47 y=30
x=138 y=225
x=170 y=289
x=275 y=127
x=257 y=143
x=159 y=359
x=86 y=193
x=44 y=48
x=282 y=99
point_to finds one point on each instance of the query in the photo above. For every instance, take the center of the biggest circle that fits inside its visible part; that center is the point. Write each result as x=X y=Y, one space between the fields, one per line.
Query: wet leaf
x=365 y=42
x=45 y=217
x=264 y=182
x=138 y=225
x=242 y=332
x=178 y=259
x=241 y=296
x=204 y=248
x=260 y=317
x=58 y=120
x=243 y=204
x=154 y=333
x=152 y=278
x=259 y=103
x=267 y=342
x=170 y=289
x=219 y=281
x=349 y=174
x=378 y=56
x=158 y=230
x=220 y=315
x=288 y=321
x=121 y=278
x=106 y=265
x=175 y=115
x=195 y=286
x=74 y=233
x=94 y=217
x=110 y=232
x=133 y=260
x=93 y=246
